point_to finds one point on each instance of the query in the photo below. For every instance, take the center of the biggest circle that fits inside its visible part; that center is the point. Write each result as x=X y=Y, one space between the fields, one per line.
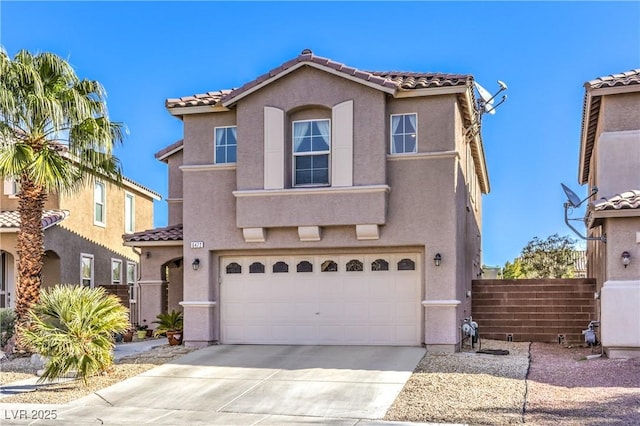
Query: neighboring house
x=83 y=235
x=610 y=161
x=309 y=206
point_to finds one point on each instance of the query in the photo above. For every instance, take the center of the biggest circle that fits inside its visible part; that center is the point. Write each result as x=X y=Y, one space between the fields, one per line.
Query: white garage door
x=323 y=299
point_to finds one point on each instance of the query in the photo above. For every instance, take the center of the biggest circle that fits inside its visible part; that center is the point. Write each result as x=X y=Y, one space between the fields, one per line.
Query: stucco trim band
x=198 y=304
x=424 y=155
x=206 y=167
x=151 y=282
x=305 y=191
x=441 y=303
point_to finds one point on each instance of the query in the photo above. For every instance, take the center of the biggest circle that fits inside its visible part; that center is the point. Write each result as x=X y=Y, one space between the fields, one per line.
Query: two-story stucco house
x=83 y=235
x=321 y=204
x=610 y=162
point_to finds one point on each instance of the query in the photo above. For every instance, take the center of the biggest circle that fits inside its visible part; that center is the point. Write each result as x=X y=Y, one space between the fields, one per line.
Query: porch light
x=626 y=258
x=437 y=259
x=196 y=264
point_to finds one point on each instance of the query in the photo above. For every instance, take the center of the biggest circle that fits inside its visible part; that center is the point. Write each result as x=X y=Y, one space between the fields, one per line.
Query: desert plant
x=73 y=327
x=168 y=321
x=7 y=324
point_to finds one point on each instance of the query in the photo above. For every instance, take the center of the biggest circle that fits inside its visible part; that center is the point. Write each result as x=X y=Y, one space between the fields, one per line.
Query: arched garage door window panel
x=234 y=268
x=256 y=268
x=280 y=267
x=379 y=265
x=304 y=266
x=329 y=266
x=354 y=265
x=406 y=265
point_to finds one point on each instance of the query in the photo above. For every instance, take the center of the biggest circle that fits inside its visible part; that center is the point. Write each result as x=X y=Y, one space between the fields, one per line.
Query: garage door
x=322 y=299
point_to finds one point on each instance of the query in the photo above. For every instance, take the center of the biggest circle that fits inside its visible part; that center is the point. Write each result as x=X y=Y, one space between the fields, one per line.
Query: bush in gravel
x=73 y=327
x=7 y=324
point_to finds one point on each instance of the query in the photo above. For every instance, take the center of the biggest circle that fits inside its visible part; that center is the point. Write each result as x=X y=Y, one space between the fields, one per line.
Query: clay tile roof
x=171 y=148
x=201 y=99
x=11 y=218
x=625 y=200
x=169 y=233
x=622 y=79
x=390 y=80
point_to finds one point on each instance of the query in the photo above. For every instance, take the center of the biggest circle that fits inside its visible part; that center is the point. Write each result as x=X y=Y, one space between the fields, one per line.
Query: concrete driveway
x=266 y=385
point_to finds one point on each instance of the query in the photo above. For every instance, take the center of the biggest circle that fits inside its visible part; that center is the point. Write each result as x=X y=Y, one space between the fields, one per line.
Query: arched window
x=280 y=267
x=256 y=268
x=406 y=265
x=304 y=266
x=234 y=268
x=379 y=265
x=354 y=265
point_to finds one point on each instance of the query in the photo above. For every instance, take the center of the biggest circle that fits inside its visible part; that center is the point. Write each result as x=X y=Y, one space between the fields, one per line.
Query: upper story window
x=226 y=144
x=129 y=213
x=404 y=133
x=99 y=204
x=311 y=150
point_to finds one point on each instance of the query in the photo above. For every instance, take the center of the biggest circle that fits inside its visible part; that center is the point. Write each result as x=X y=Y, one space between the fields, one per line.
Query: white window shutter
x=273 y=148
x=342 y=141
x=8 y=186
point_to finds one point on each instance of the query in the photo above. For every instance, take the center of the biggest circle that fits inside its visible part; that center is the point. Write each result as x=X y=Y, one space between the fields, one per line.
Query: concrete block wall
x=534 y=310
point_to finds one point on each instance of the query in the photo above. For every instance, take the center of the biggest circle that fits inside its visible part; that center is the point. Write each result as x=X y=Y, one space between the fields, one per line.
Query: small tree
x=513 y=271
x=550 y=258
x=73 y=327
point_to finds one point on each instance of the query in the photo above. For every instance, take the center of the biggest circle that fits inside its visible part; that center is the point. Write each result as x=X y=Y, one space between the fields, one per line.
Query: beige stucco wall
x=174 y=200
x=80 y=220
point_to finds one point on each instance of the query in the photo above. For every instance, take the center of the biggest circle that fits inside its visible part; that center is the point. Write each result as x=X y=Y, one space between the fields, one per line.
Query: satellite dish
x=486 y=103
x=572 y=197
x=503 y=85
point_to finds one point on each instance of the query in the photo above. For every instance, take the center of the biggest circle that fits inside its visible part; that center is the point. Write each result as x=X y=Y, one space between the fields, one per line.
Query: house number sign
x=197 y=244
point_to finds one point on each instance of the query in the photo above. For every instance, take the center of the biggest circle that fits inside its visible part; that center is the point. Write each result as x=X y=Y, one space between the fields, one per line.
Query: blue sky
x=145 y=52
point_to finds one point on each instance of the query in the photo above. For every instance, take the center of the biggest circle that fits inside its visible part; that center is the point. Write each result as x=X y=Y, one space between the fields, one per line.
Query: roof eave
x=233 y=99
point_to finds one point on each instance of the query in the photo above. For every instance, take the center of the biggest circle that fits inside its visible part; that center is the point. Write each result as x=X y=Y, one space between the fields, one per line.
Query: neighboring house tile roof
x=169 y=233
x=10 y=219
x=167 y=151
x=391 y=80
x=626 y=200
x=614 y=80
x=624 y=82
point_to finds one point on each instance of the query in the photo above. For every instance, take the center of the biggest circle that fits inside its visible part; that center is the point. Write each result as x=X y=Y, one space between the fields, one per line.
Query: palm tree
x=55 y=135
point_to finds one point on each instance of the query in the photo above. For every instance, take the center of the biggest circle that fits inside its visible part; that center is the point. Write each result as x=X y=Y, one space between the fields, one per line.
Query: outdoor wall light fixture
x=626 y=258
x=196 y=264
x=437 y=259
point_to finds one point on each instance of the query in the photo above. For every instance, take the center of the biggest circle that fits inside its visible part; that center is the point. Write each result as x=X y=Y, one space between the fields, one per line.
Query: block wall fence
x=545 y=310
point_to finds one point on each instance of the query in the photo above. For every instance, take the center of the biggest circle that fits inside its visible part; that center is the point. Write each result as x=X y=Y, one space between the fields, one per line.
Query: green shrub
x=73 y=326
x=168 y=321
x=7 y=324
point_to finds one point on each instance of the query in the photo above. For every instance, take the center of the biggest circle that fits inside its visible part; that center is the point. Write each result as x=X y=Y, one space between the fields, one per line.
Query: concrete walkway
x=249 y=385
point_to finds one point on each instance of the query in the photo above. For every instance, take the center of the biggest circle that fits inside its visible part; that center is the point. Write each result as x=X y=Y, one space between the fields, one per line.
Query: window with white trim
x=86 y=270
x=132 y=269
x=129 y=213
x=226 y=145
x=311 y=150
x=99 y=204
x=404 y=133
x=116 y=271
x=11 y=187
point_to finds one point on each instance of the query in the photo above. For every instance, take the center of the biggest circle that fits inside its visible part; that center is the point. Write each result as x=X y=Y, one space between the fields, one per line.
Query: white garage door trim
x=371 y=299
